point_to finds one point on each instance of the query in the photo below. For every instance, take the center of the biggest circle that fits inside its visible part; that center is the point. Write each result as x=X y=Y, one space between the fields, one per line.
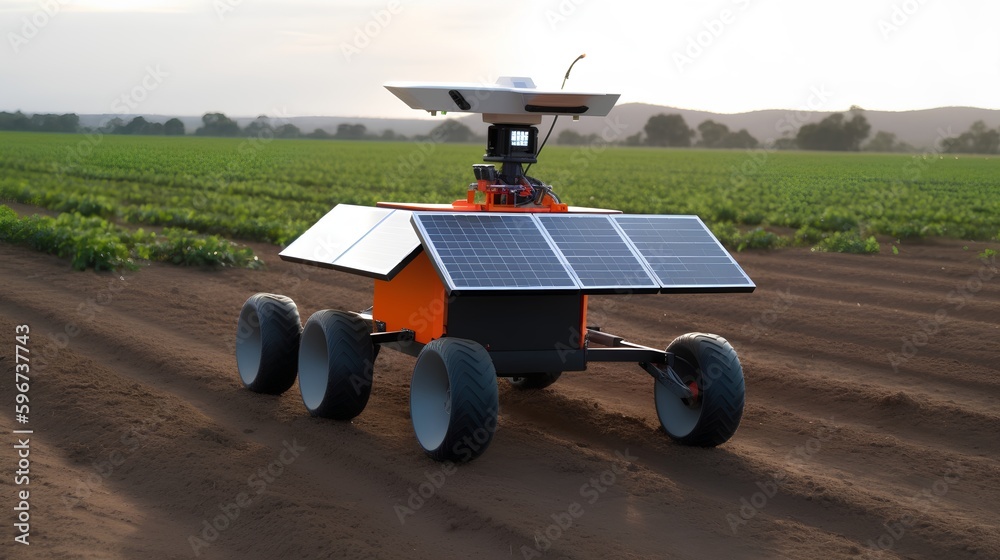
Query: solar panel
x=477 y=252
x=382 y=249
x=598 y=255
x=683 y=253
x=373 y=242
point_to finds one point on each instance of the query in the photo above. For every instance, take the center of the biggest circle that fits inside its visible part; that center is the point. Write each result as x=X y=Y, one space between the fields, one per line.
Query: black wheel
x=535 y=380
x=335 y=364
x=709 y=366
x=267 y=343
x=454 y=401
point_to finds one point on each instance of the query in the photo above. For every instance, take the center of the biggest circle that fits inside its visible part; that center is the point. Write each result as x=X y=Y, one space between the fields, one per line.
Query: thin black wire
x=547 y=134
x=555 y=118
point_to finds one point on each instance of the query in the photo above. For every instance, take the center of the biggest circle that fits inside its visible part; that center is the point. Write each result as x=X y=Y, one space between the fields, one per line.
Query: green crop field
x=272 y=190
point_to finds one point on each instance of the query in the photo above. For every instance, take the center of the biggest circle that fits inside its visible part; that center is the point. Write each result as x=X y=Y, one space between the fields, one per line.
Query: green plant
x=273 y=191
x=807 y=235
x=848 y=242
x=92 y=242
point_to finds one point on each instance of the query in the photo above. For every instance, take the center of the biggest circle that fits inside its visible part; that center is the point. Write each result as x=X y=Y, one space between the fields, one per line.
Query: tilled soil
x=872 y=422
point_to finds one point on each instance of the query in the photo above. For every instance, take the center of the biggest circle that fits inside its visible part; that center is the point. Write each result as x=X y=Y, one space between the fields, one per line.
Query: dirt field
x=852 y=439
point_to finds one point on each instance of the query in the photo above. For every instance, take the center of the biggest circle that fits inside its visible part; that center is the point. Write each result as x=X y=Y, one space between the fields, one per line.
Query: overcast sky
x=312 y=57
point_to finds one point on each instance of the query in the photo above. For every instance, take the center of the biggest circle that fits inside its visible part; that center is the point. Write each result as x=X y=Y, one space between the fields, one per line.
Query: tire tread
x=280 y=332
x=724 y=399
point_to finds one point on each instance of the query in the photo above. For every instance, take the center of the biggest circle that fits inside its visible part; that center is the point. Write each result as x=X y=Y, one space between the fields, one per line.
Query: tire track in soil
x=164 y=338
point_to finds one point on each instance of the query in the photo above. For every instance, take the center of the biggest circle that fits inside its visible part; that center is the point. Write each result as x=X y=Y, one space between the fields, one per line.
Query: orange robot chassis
x=496 y=285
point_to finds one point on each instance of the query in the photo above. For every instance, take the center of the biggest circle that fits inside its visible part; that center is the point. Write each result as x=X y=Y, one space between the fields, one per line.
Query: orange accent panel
x=414 y=299
x=583 y=320
x=464 y=206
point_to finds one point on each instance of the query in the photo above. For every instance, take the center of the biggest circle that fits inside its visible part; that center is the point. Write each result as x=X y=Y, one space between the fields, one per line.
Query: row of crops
x=253 y=189
x=93 y=242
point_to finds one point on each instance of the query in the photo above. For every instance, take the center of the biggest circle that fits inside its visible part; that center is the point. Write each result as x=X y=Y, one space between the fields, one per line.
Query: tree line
x=836 y=132
x=844 y=132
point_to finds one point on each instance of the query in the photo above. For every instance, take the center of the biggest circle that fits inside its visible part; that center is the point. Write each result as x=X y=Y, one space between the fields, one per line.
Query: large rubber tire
x=714 y=415
x=535 y=380
x=454 y=400
x=336 y=359
x=267 y=343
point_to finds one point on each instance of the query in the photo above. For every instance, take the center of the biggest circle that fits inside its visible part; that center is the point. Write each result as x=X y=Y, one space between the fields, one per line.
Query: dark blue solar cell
x=492 y=252
x=597 y=253
x=682 y=252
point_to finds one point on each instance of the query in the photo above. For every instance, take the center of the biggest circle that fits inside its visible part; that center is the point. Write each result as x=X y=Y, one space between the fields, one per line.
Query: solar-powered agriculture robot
x=495 y=285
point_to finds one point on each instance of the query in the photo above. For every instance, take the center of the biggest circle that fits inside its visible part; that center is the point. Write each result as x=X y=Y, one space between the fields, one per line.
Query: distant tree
x=451 y=131
x=712 y=134
x=570 y=138
x=68 y=122
x=112 y=126
x=856 y=129
x=785 y=144
x=288 y=130
x=259 y=128
x=668 y=130
x=835 y=133
x=741 y=139
x=979 y=139
x=882 y=142
x=217 y=124
x=14 y=121
x=173 y=127
x=574 y=138
x=319 y=134
x=718 y=135
x=634 y=140
x=388 y=135
x=137 y=125
x=39 y=122
x=350 y=131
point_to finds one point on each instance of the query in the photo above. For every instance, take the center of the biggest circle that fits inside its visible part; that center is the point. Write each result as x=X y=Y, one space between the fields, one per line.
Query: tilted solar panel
x=683 y=253
x=601 y=259
x=373 y=242
x=490 y=252
x=487 y=252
